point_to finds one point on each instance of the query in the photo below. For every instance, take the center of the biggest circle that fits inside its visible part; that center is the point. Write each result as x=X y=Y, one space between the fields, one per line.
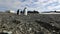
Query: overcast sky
x=39 y=5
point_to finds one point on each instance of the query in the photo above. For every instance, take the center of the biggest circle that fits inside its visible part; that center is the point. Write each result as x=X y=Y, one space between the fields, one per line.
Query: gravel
x=30 y=24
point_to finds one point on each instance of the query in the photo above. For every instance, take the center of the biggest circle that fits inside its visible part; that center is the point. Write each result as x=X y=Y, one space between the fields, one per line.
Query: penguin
x=18 y=12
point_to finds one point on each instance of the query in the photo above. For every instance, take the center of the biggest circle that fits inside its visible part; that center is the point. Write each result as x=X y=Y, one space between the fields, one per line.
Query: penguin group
x=24 y=11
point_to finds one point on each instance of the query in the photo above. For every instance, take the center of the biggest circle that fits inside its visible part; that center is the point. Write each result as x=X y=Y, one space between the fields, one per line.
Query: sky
x=38 y=5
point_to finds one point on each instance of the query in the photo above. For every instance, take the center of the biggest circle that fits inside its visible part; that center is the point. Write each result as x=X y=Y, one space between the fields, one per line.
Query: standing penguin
x=18 y=12
x=25 y=11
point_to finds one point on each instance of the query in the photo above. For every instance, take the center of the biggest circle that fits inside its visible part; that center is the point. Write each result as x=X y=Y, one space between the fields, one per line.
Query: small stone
x=53 y=30
x=30 y=29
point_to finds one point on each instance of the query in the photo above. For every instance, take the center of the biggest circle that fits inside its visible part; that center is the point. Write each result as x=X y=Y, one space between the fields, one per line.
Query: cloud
x=40 y=5
x=9 y=3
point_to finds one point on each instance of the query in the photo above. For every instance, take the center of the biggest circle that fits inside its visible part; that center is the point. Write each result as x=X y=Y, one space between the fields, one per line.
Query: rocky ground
x=30 y=24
